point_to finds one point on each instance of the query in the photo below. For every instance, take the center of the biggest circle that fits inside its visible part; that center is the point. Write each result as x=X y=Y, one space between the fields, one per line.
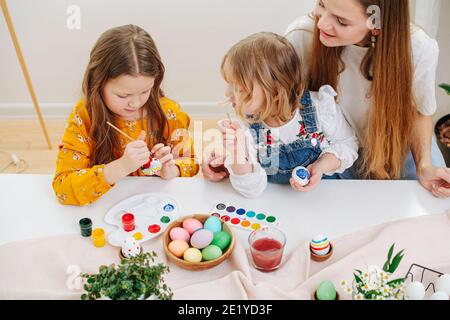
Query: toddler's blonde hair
x=269 y=60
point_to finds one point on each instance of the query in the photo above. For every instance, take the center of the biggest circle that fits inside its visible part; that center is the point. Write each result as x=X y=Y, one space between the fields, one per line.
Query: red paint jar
x=128 y=222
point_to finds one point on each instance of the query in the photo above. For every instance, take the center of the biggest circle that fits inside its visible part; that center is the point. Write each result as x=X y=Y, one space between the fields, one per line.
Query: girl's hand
x=316 y=176
x=213 y=168
x=136 y=154
x=169 y=169
x=435 y=180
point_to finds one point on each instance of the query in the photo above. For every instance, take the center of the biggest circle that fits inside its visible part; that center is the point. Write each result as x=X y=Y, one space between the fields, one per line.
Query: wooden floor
x=25 y=138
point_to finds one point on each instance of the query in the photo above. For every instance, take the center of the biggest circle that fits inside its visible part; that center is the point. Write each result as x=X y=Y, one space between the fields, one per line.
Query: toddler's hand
x=234 y=140
x=314 y=180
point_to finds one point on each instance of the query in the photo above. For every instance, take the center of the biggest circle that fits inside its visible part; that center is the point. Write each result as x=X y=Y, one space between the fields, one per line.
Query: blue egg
x=213 y=224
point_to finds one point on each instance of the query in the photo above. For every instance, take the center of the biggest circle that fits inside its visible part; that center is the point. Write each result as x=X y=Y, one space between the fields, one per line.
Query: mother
x=384 y=70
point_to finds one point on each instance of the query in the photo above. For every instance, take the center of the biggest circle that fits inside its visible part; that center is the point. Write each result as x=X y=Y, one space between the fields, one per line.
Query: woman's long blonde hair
x=390 y=68
x=269 y=60
x=125 y=50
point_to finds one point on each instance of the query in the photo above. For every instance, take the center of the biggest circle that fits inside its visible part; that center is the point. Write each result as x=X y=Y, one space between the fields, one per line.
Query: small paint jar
x=98 y=237
x=86 y=227
x=128 y=222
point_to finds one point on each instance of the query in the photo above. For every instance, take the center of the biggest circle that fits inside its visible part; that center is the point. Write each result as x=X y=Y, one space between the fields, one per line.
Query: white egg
x=131 y=248
x=443 y=284
x=415 y=291
x=440 y=295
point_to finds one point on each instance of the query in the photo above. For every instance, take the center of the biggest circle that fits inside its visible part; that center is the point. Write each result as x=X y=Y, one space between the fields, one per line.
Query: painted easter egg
x=320 y=245
x=443 y=284
x=193 y=255
x=131 y=248
x=202 y=238
x=222 y=240
x=326 y=291
x=301 y=175
x=211 y=252
x=179 y=234
x=191 y=225
x=415 y=291
x=152 y=167
x=178 y=247
x=214 y=224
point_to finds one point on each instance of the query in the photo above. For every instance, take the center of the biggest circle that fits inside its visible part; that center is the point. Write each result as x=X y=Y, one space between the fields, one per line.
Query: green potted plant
x=376 y=283
x=135 y=278
x=442 y=130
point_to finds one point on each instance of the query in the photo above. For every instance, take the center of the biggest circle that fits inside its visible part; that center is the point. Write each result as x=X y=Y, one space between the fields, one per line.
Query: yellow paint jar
x=98 y=237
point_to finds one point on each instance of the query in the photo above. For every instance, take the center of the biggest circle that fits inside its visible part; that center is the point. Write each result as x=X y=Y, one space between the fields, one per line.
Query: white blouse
x=354 y=88
x=339 y=139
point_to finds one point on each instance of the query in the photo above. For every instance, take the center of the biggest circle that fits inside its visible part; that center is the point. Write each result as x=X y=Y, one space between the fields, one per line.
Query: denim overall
x=280 y=160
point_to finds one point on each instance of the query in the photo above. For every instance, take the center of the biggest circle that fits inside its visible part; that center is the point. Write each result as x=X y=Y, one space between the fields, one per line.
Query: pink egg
x=178 y=247
x=191 y=225
x=202 y=238
x=179 y=234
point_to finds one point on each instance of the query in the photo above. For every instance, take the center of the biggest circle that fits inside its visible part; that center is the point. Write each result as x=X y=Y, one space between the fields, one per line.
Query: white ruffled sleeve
x=251 y=185
x=340 y=138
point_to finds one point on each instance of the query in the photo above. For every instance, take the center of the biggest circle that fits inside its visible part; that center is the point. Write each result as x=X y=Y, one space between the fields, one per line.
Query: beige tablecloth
x=45 y=268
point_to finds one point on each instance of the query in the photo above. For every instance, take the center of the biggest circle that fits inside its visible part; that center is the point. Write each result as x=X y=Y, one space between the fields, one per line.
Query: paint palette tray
x=246 y=219
x=153 y=212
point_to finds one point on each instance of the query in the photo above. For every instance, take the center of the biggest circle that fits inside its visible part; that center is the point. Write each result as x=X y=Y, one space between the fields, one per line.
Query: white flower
x=387 y=291
x=359 y=296
x=344 y=284
x=348 y=290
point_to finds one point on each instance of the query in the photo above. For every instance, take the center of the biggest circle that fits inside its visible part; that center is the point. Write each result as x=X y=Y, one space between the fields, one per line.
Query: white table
x=29 y=209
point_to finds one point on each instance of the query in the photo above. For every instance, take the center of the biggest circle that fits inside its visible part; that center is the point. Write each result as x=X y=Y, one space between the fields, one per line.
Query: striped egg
x=320 y=245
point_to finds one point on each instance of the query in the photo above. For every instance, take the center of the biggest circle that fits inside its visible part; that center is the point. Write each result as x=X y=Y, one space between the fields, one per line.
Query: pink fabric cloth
x=40 y=268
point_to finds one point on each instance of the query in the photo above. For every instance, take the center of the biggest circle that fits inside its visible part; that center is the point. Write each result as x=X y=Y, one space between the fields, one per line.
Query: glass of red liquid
x=266 y=247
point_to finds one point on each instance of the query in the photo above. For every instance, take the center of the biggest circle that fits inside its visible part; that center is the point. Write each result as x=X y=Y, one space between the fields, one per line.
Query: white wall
x=192 y=36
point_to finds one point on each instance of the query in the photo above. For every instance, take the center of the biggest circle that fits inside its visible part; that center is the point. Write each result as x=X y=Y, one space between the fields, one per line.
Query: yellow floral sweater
x=75 y=183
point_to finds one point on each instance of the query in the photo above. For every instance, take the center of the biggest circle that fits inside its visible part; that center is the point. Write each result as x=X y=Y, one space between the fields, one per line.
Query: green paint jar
x=86 y=227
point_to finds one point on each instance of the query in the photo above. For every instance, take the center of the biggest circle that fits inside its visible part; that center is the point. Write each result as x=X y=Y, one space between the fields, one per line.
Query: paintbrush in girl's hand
x=120 y=131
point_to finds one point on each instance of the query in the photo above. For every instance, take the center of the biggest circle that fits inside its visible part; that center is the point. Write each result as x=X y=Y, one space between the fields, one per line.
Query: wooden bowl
x=204 y=265
x=318 y=258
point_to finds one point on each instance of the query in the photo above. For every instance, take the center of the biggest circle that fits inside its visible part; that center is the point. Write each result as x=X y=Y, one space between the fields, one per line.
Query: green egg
x=222 y=240
x=211 y=252
x=326 y=291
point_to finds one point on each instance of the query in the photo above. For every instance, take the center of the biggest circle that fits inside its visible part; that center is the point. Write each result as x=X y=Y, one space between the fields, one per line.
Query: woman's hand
x=169 y=169
x=435 y=180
